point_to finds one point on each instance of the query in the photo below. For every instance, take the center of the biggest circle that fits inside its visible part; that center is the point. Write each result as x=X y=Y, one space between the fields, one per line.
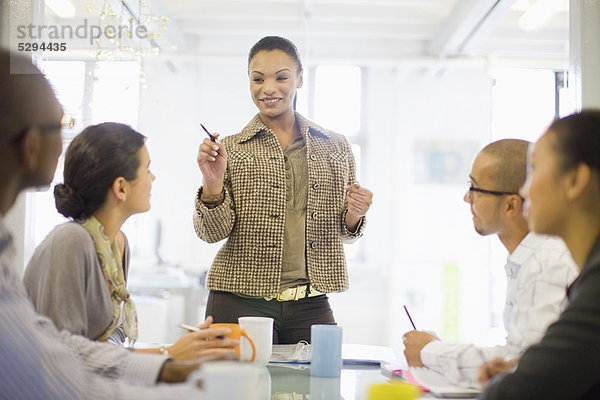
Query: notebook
x=355 y=354
x=438 y=384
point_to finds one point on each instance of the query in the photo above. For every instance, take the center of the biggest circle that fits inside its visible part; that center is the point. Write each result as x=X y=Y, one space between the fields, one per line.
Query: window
x=523 y=102
x=67 y=79
x=116 y=92
x=337 y=106
x=115 y=97
x=338 y=98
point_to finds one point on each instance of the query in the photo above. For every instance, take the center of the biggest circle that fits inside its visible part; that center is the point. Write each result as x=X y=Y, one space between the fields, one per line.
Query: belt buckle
x=300 y=292
x=293 y=293
x=287 y=295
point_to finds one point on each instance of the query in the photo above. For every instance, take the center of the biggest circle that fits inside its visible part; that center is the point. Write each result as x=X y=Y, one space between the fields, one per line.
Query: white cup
x=232 y=380
x=260 y=330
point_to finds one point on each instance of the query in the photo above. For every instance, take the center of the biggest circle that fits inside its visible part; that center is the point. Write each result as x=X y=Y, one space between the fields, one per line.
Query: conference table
x=293 y=381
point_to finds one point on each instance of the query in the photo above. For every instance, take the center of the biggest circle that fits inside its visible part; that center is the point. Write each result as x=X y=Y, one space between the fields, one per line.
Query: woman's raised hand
x=212 y=160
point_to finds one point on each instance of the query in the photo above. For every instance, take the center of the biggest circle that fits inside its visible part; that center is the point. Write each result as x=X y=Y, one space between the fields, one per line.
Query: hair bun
x=68 y=202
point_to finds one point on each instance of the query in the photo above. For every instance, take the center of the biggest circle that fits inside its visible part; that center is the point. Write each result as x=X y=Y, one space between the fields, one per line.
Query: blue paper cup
x=326 y=351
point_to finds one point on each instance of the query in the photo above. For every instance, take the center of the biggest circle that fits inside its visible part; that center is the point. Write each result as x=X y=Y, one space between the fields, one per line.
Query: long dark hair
x=578 y=139
x=95 y=158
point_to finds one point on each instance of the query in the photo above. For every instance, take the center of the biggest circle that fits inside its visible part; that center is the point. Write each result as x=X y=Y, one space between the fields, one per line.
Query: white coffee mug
x=260 y=330
x=232 y=380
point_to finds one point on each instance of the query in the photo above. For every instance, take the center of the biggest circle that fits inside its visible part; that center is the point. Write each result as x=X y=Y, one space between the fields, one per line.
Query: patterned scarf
x=111 y=262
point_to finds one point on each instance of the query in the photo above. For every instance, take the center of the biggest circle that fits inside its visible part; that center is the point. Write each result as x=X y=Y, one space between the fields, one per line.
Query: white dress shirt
x=538 y=273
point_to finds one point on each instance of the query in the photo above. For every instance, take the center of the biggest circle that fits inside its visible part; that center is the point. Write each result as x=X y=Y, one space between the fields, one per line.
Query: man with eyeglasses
x=539 y=269
x=36 y=360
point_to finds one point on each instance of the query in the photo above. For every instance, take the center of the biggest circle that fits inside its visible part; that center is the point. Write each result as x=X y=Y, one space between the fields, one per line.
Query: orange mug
x=237 y=333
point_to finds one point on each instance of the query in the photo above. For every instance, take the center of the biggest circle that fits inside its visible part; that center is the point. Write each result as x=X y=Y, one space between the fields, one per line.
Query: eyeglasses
x=486 y=191
x=66 y=122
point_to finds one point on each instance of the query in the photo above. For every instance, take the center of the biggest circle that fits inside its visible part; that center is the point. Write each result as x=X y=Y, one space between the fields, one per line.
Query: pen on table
x=409 y=317
x=212 y=138
x=189 y=327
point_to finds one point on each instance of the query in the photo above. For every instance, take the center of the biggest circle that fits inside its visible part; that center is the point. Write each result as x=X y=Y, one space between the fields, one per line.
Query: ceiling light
x=62 y=8
x=539 y=13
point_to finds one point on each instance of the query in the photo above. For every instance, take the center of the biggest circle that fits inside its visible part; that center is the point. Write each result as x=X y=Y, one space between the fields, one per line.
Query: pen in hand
x=212 y=138
x=189 y=327
x=409 y=317
x=196 y=329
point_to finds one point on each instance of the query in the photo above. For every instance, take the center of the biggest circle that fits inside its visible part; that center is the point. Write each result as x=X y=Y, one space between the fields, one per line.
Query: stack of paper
x=438 y=384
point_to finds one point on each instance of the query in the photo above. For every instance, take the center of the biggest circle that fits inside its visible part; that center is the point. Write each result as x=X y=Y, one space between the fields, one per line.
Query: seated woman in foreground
x=77 y=275
x=563 y=189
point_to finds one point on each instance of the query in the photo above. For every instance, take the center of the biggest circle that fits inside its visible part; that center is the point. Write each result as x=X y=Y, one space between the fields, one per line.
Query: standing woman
x=563 y=189
x=283 y=192
x=77 y=275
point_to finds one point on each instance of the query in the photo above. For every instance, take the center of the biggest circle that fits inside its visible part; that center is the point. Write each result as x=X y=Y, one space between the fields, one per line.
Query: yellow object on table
x=394 y=391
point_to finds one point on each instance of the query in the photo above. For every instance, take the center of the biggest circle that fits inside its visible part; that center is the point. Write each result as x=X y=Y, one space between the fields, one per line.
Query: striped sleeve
x=35 y=364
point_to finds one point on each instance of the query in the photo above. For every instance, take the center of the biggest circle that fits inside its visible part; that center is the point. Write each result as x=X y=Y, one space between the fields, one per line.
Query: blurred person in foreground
x=37 y=360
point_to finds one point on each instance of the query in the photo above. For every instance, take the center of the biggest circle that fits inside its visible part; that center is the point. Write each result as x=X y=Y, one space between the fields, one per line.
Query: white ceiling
x=376 y=31
x=371 y=29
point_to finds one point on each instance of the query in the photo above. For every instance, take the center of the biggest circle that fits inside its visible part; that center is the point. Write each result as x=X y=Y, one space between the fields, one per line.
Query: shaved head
x=510 y=168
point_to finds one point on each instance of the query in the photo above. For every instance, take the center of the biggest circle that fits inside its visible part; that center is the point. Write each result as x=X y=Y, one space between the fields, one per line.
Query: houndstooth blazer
x=252 y=215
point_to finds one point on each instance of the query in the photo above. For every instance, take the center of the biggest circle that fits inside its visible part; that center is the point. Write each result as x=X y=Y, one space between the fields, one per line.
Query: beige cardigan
x=252 y=216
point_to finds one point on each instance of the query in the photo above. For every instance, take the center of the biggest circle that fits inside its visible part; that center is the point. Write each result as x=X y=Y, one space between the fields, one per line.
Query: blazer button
x=313 y=245
x=316 y=186
x=314 y=215
x=313 y=157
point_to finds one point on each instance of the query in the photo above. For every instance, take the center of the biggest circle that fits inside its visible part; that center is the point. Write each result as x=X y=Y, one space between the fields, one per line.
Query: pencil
x=212 y=138
x=409 y=317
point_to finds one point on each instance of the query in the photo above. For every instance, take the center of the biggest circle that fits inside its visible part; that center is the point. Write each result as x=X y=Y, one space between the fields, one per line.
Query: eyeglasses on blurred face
x=67 y=122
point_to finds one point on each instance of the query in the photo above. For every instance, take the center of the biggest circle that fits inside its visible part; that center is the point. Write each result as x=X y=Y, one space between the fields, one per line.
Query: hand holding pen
x=204 y=343
x=210 y=135
x=212 y=161
x=414 y=341
x=410 y=318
